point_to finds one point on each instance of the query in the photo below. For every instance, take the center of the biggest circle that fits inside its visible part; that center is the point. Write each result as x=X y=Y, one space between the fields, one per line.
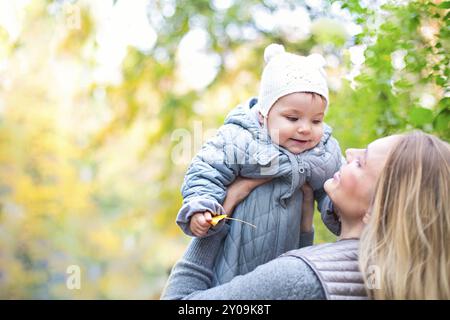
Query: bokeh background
x=103 y=104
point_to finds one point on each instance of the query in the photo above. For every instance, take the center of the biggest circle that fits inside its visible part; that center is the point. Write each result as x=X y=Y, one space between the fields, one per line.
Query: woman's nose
x=349 y=155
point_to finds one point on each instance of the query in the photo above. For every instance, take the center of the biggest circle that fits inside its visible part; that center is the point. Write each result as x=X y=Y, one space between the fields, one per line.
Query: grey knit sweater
x=282 y=278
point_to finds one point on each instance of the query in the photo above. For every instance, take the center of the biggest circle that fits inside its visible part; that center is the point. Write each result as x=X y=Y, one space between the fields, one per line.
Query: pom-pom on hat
x=286 y=73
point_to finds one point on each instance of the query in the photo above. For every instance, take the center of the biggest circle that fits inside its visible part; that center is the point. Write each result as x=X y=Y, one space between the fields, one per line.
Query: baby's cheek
x=279 y=134
x=318 y=133
x=274 y=135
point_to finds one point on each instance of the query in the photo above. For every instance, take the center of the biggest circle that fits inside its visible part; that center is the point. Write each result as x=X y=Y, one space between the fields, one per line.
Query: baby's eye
x=317 y=121
x=293 y=119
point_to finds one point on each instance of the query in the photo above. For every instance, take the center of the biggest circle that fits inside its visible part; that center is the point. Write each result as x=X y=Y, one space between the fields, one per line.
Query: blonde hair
x=407 y=240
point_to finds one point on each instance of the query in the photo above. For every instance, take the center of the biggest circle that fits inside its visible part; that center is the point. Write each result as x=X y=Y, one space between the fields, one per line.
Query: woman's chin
x=328 y=185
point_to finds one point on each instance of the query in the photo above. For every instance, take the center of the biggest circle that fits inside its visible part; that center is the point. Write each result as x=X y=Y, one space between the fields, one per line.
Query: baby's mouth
x=300 y=141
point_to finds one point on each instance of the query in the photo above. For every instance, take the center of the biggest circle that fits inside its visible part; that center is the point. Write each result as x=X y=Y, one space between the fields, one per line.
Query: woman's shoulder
x=296 y=277
x=284 y=278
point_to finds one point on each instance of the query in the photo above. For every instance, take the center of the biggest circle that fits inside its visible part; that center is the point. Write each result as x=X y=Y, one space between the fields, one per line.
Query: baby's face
x=295 y=121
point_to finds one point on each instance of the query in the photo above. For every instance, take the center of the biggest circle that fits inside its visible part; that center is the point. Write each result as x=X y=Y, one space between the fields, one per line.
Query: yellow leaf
x=215 y=220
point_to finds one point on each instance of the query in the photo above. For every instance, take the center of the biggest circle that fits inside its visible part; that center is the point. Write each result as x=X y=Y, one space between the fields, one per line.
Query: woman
x=322 y=271
x=408 y=237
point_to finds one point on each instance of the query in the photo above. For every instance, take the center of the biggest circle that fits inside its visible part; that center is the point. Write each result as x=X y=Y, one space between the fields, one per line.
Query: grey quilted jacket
x=243 y=148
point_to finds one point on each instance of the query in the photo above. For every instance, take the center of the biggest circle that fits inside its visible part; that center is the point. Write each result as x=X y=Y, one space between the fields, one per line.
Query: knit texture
x=286 y=73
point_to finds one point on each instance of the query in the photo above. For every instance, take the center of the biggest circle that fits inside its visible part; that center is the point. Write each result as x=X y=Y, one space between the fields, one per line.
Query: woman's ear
x=366 y=218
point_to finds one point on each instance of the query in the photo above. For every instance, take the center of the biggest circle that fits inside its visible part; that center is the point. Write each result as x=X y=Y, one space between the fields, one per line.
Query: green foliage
x=418 y=30
x=89 y=173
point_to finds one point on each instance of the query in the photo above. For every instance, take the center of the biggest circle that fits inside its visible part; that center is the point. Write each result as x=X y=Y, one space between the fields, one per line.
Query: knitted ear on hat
x=273 y=50
x=318 y=61
x=270 y=52
x=286 y=73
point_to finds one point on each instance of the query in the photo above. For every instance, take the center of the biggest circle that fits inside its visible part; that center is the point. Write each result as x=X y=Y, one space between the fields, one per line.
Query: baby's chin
x=296 y=149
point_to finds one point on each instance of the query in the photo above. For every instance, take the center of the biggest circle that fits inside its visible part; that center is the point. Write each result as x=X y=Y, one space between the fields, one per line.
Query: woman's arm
x=282 y=278
x=239 y=190
x=306 y=223
x=200 y=222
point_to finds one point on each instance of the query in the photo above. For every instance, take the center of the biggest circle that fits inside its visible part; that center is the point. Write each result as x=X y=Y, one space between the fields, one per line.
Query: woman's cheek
x=348 y=182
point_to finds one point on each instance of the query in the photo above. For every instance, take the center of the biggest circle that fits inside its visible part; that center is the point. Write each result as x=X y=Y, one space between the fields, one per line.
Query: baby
x=280 y=135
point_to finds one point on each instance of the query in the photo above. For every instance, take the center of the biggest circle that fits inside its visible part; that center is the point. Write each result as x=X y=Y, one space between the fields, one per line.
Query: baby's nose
x=304 y=128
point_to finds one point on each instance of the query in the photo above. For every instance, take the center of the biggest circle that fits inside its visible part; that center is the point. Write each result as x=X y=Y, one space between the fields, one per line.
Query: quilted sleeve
x=329 y=217
x=331 y=163
x=210 y=172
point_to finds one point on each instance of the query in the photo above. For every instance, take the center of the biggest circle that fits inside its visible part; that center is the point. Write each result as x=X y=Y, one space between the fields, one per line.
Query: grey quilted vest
x=336 y=266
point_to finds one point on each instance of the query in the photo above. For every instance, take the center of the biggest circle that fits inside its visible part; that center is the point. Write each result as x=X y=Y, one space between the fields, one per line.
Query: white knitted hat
x=287 y=73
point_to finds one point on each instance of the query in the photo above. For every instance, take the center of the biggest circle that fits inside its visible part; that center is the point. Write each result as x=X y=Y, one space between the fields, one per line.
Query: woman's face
x=351 y=189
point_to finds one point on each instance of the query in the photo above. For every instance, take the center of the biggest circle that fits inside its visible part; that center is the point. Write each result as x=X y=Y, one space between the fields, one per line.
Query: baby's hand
x=200 y=223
